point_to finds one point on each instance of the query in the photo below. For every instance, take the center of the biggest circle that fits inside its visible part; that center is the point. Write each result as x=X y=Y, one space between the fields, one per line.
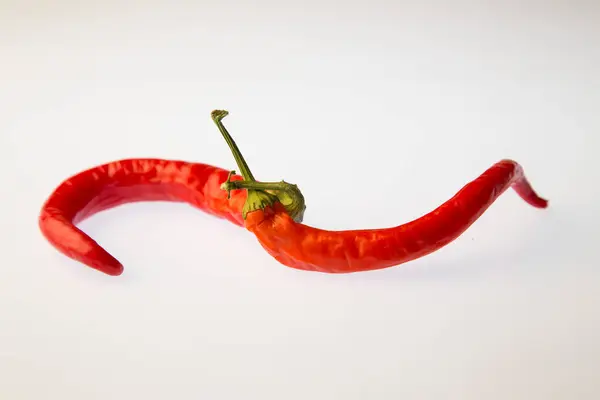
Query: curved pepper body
x=126 y=181
x=303 y=247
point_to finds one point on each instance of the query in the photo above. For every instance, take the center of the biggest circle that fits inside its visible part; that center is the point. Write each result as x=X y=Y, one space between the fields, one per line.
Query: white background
x=380 y=112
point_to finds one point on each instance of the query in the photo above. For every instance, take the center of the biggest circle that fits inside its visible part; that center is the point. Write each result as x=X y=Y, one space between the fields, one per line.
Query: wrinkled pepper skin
x=125 y=181
x=307 y=248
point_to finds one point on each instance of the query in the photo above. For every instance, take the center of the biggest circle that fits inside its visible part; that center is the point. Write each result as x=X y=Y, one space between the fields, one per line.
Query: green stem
x=253 y=185
x=260 y=194
x=217 y=116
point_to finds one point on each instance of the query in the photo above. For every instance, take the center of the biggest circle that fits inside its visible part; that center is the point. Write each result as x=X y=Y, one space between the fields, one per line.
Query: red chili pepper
x=126 y=181
x=273 y=211
x=303 y=247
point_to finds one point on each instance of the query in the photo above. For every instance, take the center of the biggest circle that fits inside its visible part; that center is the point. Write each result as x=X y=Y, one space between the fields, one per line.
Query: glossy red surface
x=126 y=181
x=303 y=247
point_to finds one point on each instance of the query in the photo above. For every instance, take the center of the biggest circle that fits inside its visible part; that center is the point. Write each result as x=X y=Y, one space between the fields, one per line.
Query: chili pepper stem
x=217 y=116
x=260 y=194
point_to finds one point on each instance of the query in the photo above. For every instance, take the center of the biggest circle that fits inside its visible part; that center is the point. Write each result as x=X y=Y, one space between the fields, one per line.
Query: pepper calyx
x=288 y=194
x=258 y=200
